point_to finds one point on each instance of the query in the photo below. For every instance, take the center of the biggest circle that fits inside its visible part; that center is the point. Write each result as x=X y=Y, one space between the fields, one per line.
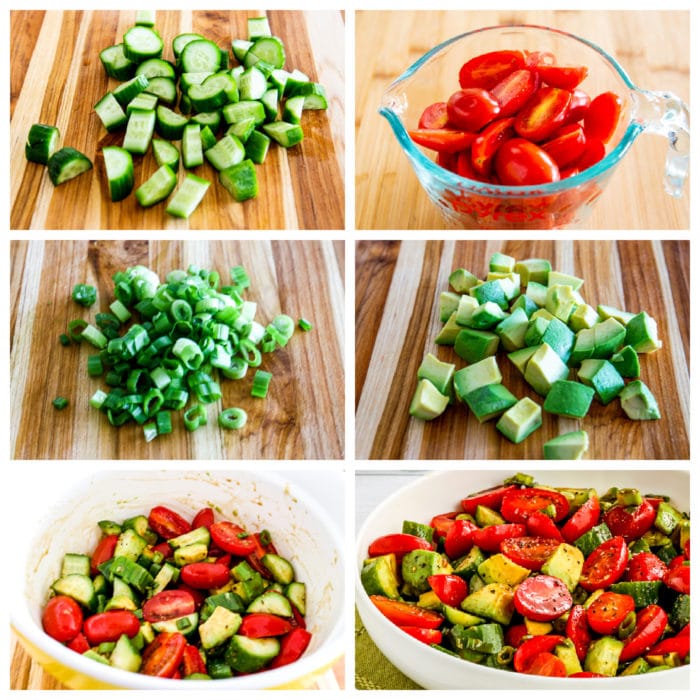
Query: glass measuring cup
x=466 y=203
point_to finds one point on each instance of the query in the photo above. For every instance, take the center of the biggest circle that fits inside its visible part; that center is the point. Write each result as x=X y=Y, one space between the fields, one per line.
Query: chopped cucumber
x=119 y=167
x=141 y=43
x=139 y=130
x=66 y=164
x=110 y=112
x=188 y=196
x=166 y=154
x=225 y=153
x=200 y=55
x=157 y=188
x=192 y=153
x=240 y=180
x=284 y=133
x=116 y=64
x=42 y=143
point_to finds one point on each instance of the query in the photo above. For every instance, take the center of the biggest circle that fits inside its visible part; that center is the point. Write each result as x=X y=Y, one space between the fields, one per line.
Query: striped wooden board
x=303 y=414
x=57 y=77
x=397 y=289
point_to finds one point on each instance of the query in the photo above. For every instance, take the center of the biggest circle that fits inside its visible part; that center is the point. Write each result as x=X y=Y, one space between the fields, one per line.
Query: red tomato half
x=594 y=152
x=630 y=525
x=79 y=643
x=486 y=144
x=565 y=77
x=167 y=523
x=530 y=648
x=423 y=635
x=109 y=626
x=442 y=140
x=546 y=111
x=678 y=579
x=434 y=116
x=513 y=92
x=491 y=536
x=518 y=505
x=204 y=575
x=602 y=116
x=651 y=622
x=530 y=552
x=103 y=552
x=406 y=614
x=192 y=661
x=258 y=625
x=521 y=162
x=232 y=538
x=582 y=520
x=577 y=630
x=449 y=588
x=167 y=605
x=605 y=564
x=491 y=498
x=646 y=566
x=441 y=523
x=163 y=655
x=488 y=69
x=546 y=664
x=471 y=109
x=62 y=618
x=580 y=101
x=607 y=612
x=398 y=543
x=292 y=646
x=541 y=525
x=567 y=145
x=542 y=598
x=680 y=644
x=203 y=518
x=459 y=538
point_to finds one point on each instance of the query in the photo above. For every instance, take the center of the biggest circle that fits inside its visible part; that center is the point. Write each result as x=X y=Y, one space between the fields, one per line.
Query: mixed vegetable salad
x=166 y=597
x=541 y=580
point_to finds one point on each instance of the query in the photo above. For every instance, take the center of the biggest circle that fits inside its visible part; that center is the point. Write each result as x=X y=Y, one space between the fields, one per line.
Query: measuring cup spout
x=666 y=114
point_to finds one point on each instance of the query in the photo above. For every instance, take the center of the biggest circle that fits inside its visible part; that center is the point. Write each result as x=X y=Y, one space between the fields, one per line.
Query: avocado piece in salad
x=421 y=563
x=494 y=601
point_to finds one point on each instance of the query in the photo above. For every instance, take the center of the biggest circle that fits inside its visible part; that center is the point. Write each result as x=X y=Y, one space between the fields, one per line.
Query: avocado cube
x=490 y=291
x=602 y=376
x=493 y=601
x=583 y=316
x=623 y=317
x=509 y=281
x=499 y=569
x=561 y=278
x=533 y=270
x=465 y=309
x=560 y=301
x=462 y=280
x=560 y=338
x=419 y=564
x=609 y=336
x=485 y=516
x=570 y=399
x=520 y=420
x=489 y=401
x=642 y=333
x=584 y=346
x=525 y=303
x=565 y=563
x=571 y=445
x=500 y=262
x=429 y=600
x=626 y=362
x=521 y=357
x=219 y=626
x=479 y=374
x=473 y=345
x=544 y=368
x=566 y=652
x=638 y=402
x=448 y=303
x=511 y=330
x=603 y=656
x=427 y=403
x=537 y=292
x=436 y=372
x=487 y=315
x=448 y=333
x=535 y=330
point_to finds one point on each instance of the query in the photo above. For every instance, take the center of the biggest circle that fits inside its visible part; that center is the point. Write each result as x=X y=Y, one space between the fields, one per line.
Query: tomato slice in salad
x=608 y=611
x=542 y=598
x=530 y=648
x=232 y=538
x=541 y=525
x=163 y=655
x=602 y=116
x=398 y=543
x=646 y=566
x=578 y=631
x=518 y=505
x=529 y=551
x=651 y=623
x=491 y=536
x=491 y=498
x=168 y=604
x=459 y=538
x=434 y=116
x=630 y=524
x=605 y=564
x=442 y=140
x=406 y=614
x=582 y=520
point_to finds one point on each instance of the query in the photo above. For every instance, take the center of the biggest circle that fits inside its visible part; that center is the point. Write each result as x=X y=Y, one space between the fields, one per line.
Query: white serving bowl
x=440 y=492
x=301 y=529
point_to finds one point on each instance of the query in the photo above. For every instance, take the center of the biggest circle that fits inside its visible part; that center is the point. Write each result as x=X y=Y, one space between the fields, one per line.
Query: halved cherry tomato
x=546 y=664
x=406 y=614
x=515 y=635
x=103 y=552
x=486 y=144
x=441 y=523
x=205 y=575
x=545 y=112
x=488 y=69
x=540 y=525
x=513 y=92
x=651 y=622
x=449 y=588
x=566 y=145
x=580 y=101
x=471 y=109
x=422 y=634
x=529 y=551
x=232 y=538
x=594 y=152
x=398 y=543
x=447 y=161
x=198 y=596
x=292 y=646
x=605 y=564
x=646 y=566
x=491 y=536
x=110 y=625
x=79 y=643
x=297 y=618
x=434 y=116
x=680 y=644
x=586 y=674
x=491 y=498
x=163 y=655
x=521 y=162
x=62 y=618
x=167 y=523
x=676 y=561
x=530 y=648
x=602 y=116
x=630 y=525
x=258 y=625
x=518 y=505
x=464 y=167
x=203 y=518
x=542 y=598
x=607 y=612
x=459 y=538
x=583 y=519
x=168 y=604
x=192 y=661
x=565 y=77
x=686 y=549
x=678 y=579
x=577 y=630
x=164 y=548
x=442 y=140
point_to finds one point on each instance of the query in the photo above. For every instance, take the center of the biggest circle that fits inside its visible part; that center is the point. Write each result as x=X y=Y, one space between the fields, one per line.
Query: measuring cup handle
x=666 y=114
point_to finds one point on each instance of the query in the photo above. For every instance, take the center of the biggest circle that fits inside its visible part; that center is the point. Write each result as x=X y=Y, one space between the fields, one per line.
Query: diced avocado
x=479 y=374
x=604 y=656
x=565 y=563
x=489 y=401
x=602 y=376
x=521 y=357
x=571 y=445
x=487 y=315
x=566 y=651
x=448 y=303
x=429 y=600
x=560 y=338
x=561 y=278
x=619 y=315
x=537 y=628
x=511 y=330
x=570 y=399
x=626 y=362
x=465 y=310
x=583 y=316
x=537 y=292
x=544 y=368
x=642 y=333
x=462 y=280
x=609 y=337
x=190 y=554
x=476 y=583
x=638 y=402
x=219 y=626
x=494 y=601
x=379 y=576
x=639 y=665
x=468 y=565
x=455 y=616
x=535 y=330
x=130 y=544
x=448 y=333
x=499 y=569
x=520 y=420
x=589 y=540
x=667 y=518
x=490 y=291
x=510 y=281
x=199 y=535
x=533 y=270
x=525 y=303
x=427 y=403
x=417 y=565
x=500 y=262
x=438 y=373
x=560 y=301
x=584 y=346
x=485 y=516
x=473 y=345
x=247 y=655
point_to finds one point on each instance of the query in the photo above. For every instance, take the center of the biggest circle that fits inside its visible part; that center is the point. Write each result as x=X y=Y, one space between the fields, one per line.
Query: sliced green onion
x=164 y=422
x=239 y=277
x=59 y=403
x=249 y=353
x=120 y=311
x=304 y=324
x=195 y=417
x=94 y=366
x=84 y=294
x=237 y=370
x=76 y=328
x=180 y=310
x=175 y=398
x=233 y=418
x=265 y=538
x=98 y=399
x=64 y=339
x=261 y=383
x=188 y=352
x=160 y=377
x=94 y=336
x=284 y=324
x=150 y=431
x=152 y=402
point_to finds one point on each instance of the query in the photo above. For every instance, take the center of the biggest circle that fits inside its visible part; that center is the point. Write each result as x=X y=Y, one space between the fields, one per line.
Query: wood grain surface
x=397 y=318
x=27 y=674
x=57 y=77
x=652 y=46
x=303 y=414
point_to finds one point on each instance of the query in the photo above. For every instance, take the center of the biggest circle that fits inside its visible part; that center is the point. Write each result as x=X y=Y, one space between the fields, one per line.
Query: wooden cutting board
x=397 y=289
x=652 y=46
x=303 y=414
x=57 y=77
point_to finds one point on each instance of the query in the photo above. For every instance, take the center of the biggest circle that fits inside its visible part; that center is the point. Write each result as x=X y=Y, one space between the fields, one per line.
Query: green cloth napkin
x=373 y=671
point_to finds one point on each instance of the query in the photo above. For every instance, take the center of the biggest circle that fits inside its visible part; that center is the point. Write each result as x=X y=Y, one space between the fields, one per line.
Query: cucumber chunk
x=157 y=187
x=66 y=164
x=42 y=143
x=119 y=167
x=240 y=180
x=188 y=196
